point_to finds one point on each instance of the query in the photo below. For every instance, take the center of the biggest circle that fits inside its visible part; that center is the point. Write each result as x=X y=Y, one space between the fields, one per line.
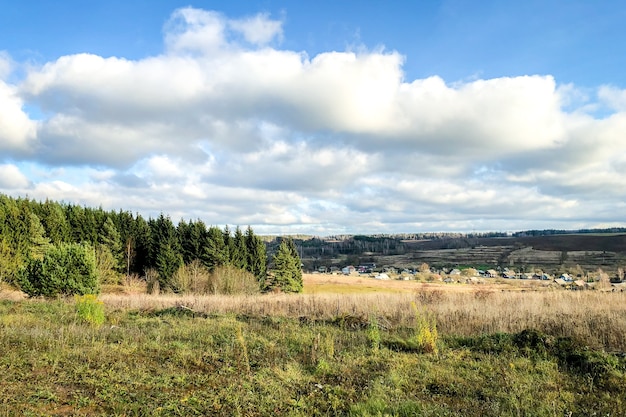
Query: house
x=566 y=277
x=382 y=276
x=348 y=270
x=366 y=268
x=491 y=273
x=455 y=272
x=509 y=274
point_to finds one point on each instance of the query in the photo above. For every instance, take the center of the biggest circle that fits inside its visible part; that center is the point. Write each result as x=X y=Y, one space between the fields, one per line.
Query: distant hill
x=551 y=251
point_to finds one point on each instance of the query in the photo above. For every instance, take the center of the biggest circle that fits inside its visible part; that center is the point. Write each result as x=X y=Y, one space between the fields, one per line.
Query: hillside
x=590 y=251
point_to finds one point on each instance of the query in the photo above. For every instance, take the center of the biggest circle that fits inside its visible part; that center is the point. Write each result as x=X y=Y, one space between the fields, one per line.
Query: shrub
x=66 y=269
x=228 y=279
x=90 y=309
x=192 y=278
x=426 y=335
x=373 y=334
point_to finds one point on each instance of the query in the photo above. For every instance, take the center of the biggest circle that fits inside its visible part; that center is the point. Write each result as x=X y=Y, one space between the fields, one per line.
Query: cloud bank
x=226 y=126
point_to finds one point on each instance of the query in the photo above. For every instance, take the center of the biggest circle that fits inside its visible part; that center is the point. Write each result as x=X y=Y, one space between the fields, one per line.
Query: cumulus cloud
x=6 y=64
x=259 y=29
x=16 y=128
x=12 y=178
x=226 y=126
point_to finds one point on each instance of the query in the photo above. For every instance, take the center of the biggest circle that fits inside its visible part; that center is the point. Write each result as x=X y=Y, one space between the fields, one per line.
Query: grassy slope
x=169 y=362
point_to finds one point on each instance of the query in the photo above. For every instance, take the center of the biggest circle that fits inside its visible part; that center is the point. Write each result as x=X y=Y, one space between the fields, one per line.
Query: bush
x=90 y=309
x=195 y=278
x=192 y=278
x=228 y=279
x=66 y=269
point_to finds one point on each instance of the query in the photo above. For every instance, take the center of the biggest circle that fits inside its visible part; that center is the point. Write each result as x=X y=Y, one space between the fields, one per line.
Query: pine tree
x=39 y=243
x=65 y=269
x=257 y=257
x=110 y=237
x=109 y=253
x=287 y=269
x=192 y=238
x=141 y=246
x=228 y=242
x=166 y=250
x=55 y=222
x=215 y=251
x=239 y=251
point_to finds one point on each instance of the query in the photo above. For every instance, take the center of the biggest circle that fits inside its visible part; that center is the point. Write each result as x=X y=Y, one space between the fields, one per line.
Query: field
x=347 y=346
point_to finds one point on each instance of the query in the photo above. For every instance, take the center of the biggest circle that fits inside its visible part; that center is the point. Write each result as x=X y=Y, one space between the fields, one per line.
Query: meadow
x=344 y=347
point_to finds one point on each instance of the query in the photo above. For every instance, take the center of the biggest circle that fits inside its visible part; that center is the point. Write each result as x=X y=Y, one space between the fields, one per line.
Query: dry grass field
x=348 y=346
x=595 y=318
x=350 y=284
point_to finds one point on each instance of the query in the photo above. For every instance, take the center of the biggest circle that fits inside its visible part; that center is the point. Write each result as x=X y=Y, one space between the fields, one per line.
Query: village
x=579 y=281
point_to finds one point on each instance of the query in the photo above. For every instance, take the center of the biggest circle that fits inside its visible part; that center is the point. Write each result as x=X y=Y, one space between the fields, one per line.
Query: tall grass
x=595 y=318
x=172 y=362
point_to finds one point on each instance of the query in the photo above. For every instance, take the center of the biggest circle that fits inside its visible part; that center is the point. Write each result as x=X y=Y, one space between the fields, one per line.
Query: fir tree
x=39 y=243
x=215 y=251
x=257 y=257
x=287 y=269
x=111 y=239
x=166 y=250
x=239 y=251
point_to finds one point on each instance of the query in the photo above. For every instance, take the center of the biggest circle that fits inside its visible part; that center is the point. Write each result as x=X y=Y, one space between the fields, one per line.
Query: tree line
x=120 y=244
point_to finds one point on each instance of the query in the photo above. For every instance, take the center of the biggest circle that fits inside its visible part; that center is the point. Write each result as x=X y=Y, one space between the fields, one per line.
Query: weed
x=244 y=349
x=90 y=309
x=426 y=335
x=373 y=334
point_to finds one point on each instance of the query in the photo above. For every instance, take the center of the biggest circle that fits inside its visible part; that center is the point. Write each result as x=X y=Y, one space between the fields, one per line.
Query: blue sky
x=576 y=41
x=320 y=117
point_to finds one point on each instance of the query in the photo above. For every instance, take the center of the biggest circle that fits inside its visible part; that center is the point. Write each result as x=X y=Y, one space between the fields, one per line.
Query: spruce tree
x=54 y=220
x=39 y=243
x=257 y=257
x=287 y=269
x=142 y=236
x=65 y=269
x=166 y=250
x=215 y=251
x=111 y=239
x=239 y=251
x=192 y=238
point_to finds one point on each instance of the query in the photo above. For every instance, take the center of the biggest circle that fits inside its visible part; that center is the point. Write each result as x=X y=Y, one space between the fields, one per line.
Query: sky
x=321 y=118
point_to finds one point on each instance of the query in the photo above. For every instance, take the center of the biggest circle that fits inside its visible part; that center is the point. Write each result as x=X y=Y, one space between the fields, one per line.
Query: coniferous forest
x=40 y=243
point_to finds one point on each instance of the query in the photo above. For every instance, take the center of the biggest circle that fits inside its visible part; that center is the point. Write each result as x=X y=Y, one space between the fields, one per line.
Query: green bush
x=90 y=309
x=66 y=269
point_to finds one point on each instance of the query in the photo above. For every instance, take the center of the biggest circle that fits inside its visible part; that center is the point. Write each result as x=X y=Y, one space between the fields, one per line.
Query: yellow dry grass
x=596 y=318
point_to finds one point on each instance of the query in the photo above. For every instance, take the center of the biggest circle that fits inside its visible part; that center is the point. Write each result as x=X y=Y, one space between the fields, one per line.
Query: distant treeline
x=551 y=232
x=124 y=243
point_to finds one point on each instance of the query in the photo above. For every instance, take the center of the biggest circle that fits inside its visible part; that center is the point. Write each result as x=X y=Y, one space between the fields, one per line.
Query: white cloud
x=613 y=97
x=12 y=178
x=6 y=64
x=194 y=30
x=259 y=29
x=225 y=125
x=16 y=129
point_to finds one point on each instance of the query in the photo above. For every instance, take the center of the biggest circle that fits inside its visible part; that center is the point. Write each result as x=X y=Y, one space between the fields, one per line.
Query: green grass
x=175 y=363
